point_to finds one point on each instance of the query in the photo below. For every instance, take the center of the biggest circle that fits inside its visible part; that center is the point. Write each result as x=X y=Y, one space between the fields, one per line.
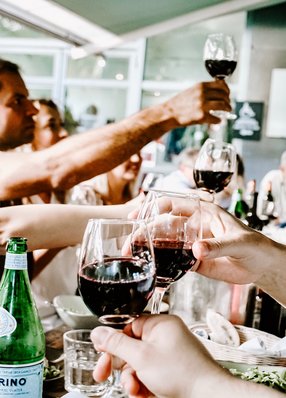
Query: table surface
x=54 y=347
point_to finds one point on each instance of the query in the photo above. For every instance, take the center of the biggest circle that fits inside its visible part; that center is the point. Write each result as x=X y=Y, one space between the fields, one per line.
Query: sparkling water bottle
x=22 y=339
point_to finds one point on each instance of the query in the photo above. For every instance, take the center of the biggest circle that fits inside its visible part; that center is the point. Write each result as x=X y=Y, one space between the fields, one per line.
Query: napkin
x=257 y=346
x=74 y=395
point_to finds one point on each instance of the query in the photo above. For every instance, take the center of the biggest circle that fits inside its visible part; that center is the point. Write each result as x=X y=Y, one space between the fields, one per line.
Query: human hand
x=232 y=251
x=162 y=357
x=193 y=105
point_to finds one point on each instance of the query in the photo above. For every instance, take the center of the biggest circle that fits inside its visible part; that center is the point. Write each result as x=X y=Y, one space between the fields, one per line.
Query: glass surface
x=35 y=93
x=154 y=97
x=176 y=55
x=93 y=106
x=91 y=68
x=32 y=64
x=10 y=28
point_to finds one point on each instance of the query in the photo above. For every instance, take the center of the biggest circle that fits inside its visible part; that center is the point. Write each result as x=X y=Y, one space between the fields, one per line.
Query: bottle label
x=7 y=323
x=21 y=381
x=16 y=261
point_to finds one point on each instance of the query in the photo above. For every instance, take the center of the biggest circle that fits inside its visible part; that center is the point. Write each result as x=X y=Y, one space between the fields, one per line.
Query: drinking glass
x=215 y=165
x=80 y=360
x=220 y=58
x=117 y=274
x=174 y=222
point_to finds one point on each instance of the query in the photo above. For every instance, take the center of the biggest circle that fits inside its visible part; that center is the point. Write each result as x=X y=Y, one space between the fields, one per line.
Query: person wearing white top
x=182 y=179
x=276 y=179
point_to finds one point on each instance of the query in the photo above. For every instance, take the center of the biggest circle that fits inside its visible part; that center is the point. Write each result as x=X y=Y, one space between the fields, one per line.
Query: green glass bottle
x=22 y=339
x=238 y=206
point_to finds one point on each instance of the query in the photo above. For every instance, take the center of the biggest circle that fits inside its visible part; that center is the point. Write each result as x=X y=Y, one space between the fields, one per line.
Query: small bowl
x=74 y=313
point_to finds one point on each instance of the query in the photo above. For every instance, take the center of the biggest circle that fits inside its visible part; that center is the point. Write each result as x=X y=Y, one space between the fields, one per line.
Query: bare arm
x=52 y=226
x=83 y=156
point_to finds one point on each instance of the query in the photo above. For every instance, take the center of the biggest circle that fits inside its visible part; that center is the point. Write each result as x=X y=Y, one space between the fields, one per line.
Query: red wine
x=220 y=68
x=212 y=180
x=172 y=260
x=118 y=291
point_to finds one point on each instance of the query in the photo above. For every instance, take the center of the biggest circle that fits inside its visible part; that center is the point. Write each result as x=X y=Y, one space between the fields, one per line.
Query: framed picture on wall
x=248 y=124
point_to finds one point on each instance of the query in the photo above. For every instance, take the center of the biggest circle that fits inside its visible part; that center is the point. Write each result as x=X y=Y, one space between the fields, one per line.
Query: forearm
x=273 y=281
x=53 y=226
x=80 y=157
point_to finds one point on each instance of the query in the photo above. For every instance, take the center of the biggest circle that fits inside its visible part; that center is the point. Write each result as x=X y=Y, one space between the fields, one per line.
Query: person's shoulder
x=272 y=174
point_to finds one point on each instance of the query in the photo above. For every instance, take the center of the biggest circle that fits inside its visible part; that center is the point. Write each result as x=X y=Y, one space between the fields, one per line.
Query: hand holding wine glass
x=214 y=165
x=115 y=282
x=174 y=222
x=220 y=58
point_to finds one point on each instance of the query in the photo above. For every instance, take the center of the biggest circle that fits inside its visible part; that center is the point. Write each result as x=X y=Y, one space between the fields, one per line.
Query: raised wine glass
x=115 y=282
x=174 y=222
x=214 y=166
x=220 y=58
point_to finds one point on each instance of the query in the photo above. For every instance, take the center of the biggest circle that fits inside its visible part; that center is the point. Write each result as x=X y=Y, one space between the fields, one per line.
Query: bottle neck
x=253 y=209
x=15 y=261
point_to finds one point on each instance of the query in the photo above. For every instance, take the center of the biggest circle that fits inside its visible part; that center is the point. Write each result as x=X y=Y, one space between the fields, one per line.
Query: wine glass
x=174 y=222
x=214 y=166
x=220 y=58
x=115 y=280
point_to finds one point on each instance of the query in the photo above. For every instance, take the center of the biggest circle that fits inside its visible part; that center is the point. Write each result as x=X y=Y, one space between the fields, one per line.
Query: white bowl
x=74 y=313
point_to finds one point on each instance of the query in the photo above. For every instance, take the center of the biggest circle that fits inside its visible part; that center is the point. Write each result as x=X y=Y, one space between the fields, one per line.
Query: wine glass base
x=223 y=114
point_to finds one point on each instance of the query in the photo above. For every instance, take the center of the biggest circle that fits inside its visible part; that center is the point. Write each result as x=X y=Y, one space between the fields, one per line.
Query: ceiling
x=108 y=23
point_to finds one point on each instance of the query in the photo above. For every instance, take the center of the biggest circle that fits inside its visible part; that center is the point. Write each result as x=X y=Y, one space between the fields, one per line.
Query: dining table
x=54 y=388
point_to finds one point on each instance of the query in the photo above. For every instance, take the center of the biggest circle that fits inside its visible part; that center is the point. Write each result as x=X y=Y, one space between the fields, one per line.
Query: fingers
x=103 y=368
x=115 y=342
x=212 y=248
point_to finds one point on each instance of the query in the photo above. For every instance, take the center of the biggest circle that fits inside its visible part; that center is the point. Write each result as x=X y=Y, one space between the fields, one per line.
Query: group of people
x=161 y=357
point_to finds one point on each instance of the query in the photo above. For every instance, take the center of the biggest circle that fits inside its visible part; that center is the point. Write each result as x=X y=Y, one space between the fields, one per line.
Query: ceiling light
x=119 y=76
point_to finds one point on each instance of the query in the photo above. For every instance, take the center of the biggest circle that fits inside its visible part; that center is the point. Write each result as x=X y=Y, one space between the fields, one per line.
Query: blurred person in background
x=181 y=179
x=119 y=185
x=275 y=182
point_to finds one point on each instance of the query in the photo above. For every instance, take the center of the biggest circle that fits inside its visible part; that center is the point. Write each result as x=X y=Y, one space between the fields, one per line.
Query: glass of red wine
x=214 y=166
x=220 y=58
x=116 y=281
x=174 y=222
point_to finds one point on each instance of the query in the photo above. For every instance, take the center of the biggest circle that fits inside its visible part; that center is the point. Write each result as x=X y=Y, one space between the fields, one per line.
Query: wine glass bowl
x=114 y=280
x=220 y=59
x=215 y=165
x=174 y=223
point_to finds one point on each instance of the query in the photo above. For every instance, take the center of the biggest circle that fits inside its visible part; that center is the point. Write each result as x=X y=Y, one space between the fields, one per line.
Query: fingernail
x=100 y=334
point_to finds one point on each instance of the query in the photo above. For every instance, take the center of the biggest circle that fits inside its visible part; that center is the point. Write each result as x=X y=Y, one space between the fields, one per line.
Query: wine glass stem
x=116 y=382
x=157 y=299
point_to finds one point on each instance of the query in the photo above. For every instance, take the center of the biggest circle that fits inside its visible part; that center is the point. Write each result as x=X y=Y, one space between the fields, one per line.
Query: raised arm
x=83 y=156
x=52 y=226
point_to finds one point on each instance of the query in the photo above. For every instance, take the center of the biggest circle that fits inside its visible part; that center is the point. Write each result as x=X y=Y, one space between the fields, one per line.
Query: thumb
x=115 y=342
x=212 y=248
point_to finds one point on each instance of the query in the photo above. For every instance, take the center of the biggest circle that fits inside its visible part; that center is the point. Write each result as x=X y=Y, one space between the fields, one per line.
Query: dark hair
x=7 y=66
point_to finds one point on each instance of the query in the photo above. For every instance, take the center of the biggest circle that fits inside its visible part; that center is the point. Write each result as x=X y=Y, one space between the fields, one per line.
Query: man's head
x=186 y=163
x=48 y=125
x=16 y=110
